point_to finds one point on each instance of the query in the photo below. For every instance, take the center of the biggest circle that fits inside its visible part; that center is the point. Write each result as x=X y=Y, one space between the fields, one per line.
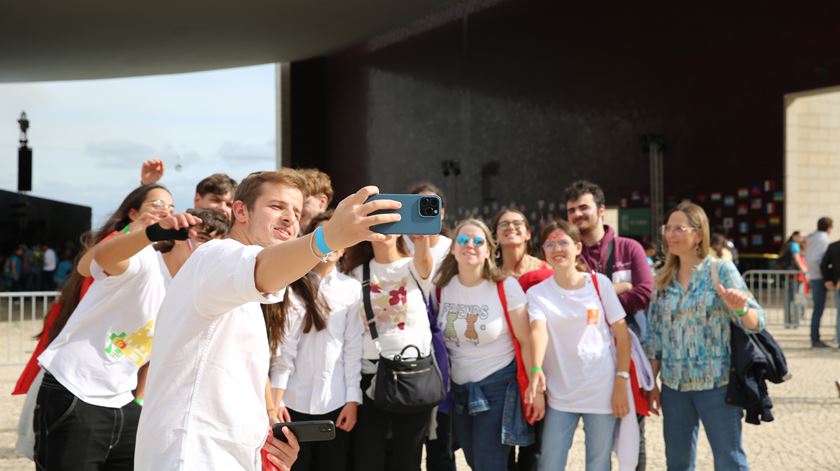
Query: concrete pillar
x=283 y=132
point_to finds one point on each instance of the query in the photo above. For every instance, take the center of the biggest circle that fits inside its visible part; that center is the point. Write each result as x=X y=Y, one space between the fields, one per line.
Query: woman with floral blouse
x=689 y=343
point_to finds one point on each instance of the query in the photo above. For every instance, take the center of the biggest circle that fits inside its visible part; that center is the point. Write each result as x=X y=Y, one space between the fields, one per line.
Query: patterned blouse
x=689 y=329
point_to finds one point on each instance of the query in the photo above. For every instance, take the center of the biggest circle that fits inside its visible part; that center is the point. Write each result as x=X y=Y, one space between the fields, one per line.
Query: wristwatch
x=623 y=374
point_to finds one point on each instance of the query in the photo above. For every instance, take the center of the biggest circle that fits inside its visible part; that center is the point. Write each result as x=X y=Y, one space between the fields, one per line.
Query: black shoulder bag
x=404 y=384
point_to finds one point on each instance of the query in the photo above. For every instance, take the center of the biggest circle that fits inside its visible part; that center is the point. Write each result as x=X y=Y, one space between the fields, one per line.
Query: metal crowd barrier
x=783 y=298
x=23 y=315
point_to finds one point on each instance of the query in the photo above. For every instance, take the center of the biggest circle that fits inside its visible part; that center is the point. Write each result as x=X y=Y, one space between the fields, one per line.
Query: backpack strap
x=500 y=287
x=366 y=299
x=609 y=267
x=598 y=292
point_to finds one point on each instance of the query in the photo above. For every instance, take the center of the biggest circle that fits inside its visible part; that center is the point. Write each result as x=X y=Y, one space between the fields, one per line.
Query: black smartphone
x=306 y=431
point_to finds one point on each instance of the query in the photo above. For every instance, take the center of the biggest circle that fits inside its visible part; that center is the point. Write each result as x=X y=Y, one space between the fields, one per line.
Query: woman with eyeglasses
x=488 y=418
x=689 y=342
x=575 y=319
x=86 y=414
x=513 y=236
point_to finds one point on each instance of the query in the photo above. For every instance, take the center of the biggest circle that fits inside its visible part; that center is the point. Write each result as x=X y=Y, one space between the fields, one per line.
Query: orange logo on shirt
x=592 y=316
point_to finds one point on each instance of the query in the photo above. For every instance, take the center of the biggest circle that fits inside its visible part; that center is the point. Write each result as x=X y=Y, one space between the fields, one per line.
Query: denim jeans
x=818 y=293
x=73 y=435
x=559 y=431
x=837 y=319
x=480 y=435
x=682 y=411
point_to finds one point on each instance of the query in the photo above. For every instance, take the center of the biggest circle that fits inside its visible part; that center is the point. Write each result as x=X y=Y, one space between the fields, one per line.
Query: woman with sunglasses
x=488 y=419
x=573 y=323
x=399 y=284
x=513 y=236
x=91 y=367
x=689 y=347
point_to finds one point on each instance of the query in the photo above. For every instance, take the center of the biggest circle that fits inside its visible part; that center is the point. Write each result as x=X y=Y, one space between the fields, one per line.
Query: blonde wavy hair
x=698 y=220
x=449 y=266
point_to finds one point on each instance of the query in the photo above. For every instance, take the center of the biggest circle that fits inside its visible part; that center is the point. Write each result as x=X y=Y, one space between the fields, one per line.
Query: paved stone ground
x=803 y=437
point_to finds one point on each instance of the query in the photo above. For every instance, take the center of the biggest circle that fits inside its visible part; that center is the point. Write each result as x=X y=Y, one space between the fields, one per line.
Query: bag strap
x=609 y=268
x=366 y=299
x=500 y=287
x=715 y=275
x=601 y=299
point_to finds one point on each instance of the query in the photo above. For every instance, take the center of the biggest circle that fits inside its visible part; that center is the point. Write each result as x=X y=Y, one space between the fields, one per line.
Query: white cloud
x=90 y=137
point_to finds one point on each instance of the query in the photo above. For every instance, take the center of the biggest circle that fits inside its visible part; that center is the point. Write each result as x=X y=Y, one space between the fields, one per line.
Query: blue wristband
x=320 y=242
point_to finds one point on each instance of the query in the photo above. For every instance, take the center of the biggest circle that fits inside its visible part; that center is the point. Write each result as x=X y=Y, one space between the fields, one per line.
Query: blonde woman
x=488 y=418
x=688 y=343
x=513 y=235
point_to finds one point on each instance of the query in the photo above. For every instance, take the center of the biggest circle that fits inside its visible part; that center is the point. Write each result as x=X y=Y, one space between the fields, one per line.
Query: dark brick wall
x=554 y=92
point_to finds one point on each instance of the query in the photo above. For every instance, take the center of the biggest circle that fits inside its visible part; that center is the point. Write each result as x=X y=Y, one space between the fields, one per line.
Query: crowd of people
x=36 y=267
x=181 y=337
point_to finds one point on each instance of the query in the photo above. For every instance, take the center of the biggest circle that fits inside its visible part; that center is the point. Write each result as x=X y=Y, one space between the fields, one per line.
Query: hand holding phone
x=306 y=431
x=419 y=214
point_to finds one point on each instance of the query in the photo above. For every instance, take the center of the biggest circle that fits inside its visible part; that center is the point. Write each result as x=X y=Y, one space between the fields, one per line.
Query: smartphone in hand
x=420 y=214
x=306 y=431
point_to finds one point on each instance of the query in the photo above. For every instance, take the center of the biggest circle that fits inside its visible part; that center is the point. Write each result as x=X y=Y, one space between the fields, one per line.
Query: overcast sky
x=90 y=137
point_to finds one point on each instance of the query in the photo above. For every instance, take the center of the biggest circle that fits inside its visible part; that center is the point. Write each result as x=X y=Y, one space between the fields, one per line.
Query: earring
x=697 y=250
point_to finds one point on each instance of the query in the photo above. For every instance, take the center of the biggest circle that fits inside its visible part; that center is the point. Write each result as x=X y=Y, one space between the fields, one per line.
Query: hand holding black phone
x=306 y=431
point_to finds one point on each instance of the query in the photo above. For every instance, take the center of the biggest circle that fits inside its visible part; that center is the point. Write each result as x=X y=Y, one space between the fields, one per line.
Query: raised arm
x=423 y=260
x=113 y=254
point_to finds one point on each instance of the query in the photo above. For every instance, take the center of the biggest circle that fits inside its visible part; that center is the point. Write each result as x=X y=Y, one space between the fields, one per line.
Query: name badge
x=593 y=316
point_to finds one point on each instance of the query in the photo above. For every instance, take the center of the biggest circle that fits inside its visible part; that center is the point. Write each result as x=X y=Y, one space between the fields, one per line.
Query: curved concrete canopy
x=88 y=39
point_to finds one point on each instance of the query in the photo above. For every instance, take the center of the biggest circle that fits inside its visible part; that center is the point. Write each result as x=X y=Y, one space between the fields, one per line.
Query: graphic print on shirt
x=388 y=300
x=471 y=314
x=136 y=347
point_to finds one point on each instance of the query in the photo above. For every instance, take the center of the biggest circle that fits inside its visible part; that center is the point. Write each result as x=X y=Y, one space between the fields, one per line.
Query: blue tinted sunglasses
x=464 y=240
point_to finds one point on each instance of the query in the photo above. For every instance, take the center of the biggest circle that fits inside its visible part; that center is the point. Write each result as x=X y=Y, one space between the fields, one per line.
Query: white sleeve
x=513 y=292
x=225 y=278
x=136 y=263
x=612 y=306
x=283 y=361
x=354 y=332
x=535 y=312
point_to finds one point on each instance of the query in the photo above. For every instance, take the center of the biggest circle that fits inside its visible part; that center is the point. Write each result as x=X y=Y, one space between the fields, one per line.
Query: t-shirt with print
x=205 y=393
x=109 y=336
x=474 y=327
x=398 y=307
x=579 y=365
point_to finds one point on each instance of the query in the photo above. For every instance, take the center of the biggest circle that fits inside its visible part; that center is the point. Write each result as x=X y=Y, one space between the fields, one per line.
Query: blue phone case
x=412 y=221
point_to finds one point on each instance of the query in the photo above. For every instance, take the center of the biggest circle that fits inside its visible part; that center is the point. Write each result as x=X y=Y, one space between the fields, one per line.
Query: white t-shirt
x=579 y=365
x=109 y=336
x=814 y=252
x=205 y=393
x=321 y=370
x=50 y=260
x=398 y=307
x=439 y=251
x=167 y=277
x=474 y=327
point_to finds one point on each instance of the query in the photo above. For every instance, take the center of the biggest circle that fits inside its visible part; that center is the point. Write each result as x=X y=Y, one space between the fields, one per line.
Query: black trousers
x=323 y=456
x=529 y=456
x=384 y=441
x=73 y=435
x=440 y=453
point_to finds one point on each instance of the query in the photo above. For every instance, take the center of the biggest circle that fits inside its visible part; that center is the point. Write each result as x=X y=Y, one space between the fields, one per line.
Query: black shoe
x=819 y=344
